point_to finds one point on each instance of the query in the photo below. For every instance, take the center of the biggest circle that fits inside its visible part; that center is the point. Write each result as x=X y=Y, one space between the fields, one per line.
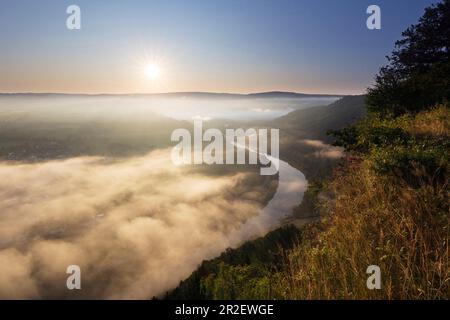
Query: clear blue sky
x=203 y=45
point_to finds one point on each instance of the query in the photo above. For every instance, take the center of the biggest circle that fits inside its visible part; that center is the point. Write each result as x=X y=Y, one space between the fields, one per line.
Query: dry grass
x=377 y=220
x=435 y=122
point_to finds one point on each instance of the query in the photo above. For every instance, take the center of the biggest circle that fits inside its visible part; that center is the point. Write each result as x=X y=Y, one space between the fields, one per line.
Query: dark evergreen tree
x=418 y=73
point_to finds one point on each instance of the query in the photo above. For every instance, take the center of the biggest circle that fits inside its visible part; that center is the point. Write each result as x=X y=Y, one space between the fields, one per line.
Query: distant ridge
x=258 y=95
x=284 y=94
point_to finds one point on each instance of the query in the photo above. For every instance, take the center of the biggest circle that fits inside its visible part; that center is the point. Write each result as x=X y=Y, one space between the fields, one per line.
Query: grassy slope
x=376 y=214
x=399 y=222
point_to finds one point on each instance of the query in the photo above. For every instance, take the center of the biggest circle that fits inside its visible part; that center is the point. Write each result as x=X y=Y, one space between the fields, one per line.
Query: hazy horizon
x=243 y=94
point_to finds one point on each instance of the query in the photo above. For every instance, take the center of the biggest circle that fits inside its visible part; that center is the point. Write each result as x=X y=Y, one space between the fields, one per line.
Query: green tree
x=418 y=73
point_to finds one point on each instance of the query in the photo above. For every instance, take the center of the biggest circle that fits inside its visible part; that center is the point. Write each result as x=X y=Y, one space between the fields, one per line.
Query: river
x=292 y=185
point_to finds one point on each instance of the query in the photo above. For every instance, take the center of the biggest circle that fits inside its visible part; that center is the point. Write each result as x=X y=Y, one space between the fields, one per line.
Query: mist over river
x=89 y=181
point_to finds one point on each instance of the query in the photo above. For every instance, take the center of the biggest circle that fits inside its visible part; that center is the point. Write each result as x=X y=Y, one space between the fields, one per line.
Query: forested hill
x=313 y=123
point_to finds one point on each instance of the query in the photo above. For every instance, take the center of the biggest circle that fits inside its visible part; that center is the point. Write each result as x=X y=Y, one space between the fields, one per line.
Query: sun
x=152 y=71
